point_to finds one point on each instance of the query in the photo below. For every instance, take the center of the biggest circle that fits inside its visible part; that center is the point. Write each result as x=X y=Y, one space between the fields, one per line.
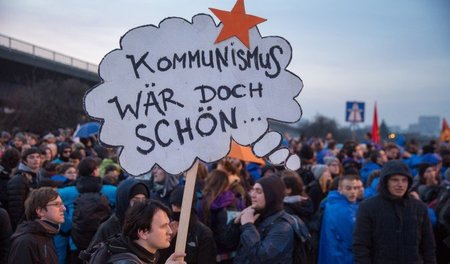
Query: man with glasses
x=33 y=240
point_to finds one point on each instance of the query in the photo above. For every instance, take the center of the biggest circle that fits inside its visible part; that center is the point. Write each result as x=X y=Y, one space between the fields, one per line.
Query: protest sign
x=170 y=94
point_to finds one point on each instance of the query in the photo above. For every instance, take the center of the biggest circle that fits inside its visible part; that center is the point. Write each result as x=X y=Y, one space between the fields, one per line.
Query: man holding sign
x=146 y=230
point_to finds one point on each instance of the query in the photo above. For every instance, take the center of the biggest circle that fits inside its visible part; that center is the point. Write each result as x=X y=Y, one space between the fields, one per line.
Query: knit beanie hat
x=330 y=159
x=318 y=170
x=274 y=189
x=139 y=188
x=176 y=196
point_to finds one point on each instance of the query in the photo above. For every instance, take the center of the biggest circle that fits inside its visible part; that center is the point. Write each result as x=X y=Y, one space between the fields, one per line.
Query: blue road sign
x=354 y=112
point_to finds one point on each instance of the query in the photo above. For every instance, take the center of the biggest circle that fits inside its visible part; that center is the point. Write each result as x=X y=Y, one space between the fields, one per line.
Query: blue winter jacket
x=367 y=169
x=372 y=189
x=337 y=228
x=69 y=195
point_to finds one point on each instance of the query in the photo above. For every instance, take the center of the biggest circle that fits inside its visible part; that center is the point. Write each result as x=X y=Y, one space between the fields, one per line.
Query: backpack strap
x=300 y=228
x=125 y=257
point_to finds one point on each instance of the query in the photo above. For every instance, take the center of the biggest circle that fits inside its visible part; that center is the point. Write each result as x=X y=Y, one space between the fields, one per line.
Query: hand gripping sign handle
x=186 y=206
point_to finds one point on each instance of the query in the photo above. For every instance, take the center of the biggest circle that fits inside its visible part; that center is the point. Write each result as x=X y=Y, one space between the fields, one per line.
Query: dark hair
x=76 y=154
x=140 y=217
x=112 y=167
x=391 y=145
x=39 y=198
x=422 y=168
x=349 y=148
x=88 y=165
x=293 y=181
x=306 y=153
x=374 y=155
x=29 y=151
x=63 y=167
x=10 y=158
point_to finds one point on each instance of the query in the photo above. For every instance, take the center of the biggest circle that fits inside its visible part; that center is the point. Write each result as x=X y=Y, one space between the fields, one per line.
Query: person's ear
x=143 y=234
x=288 y=191
x=39 y=212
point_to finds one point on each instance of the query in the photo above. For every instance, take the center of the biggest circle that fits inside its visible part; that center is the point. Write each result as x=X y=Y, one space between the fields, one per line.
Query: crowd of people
x=67 y=200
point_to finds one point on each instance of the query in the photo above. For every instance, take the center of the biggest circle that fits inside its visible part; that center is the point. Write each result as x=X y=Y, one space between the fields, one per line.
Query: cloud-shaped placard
x=170 y=95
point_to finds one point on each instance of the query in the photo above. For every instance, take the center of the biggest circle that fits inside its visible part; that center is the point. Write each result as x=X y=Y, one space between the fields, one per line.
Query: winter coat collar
x=294 y=199
x=35 y=227
x=123 y=244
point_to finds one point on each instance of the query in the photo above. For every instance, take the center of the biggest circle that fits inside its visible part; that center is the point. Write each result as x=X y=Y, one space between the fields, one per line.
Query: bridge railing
x=22 y=46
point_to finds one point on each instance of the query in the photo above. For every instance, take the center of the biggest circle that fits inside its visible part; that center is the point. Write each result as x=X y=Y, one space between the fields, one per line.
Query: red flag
x=445 y=132
x=375 y=128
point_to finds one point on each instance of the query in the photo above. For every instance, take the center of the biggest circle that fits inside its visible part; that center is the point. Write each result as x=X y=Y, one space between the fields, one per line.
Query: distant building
x=428 y=125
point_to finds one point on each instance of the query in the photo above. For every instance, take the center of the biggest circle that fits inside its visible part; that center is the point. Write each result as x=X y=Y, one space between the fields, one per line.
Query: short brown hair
x=39 y=198
x=348 y=177
x=293 y=181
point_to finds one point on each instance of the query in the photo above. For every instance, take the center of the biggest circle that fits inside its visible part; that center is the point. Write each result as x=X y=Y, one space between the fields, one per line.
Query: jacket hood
x=35 y=227
x=87 y=184
x=24 y=168
x=123 y=196
x=274 y=189
x=391 y=168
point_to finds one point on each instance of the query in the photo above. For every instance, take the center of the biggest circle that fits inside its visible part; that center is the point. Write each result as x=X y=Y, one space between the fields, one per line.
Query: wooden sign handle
x=186 y=206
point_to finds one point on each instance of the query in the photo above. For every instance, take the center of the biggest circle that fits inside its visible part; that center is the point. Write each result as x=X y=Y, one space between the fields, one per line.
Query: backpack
x=302 y=241
x=443 y=210
x=314 y=226
x=102 y=253
x=91 y=209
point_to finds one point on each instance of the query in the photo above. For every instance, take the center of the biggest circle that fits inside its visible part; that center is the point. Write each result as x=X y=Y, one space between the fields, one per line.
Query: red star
x=236 y=23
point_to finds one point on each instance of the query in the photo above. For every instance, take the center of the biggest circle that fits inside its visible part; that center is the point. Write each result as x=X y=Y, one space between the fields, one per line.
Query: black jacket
x=5 y=234
x=33 y=243
x=393 y=230
x=315 y=194
x=200 y=245
x=122 y=244
x=299 y=206
x=18 y=189
x=5 y=176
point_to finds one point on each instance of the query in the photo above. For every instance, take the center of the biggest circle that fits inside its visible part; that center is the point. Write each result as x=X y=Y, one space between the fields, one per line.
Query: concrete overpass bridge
x=20 y=60
x=22 y=63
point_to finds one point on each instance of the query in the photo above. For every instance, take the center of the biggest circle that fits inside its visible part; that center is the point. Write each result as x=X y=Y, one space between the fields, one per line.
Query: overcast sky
x=395 y=52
